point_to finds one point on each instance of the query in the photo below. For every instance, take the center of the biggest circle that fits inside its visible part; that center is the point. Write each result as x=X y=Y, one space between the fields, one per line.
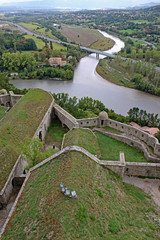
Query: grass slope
x=39 y=43
x=106 y=208
x=83 y=138
x=20 y=122
x=110 y=149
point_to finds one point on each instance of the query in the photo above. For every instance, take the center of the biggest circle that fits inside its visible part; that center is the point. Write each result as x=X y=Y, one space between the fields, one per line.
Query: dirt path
x=149 y=186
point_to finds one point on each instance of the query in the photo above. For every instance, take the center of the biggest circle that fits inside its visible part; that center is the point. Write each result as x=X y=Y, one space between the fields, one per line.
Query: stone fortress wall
x=19 y=166
x=120 y=167
x=134 y=169
x=131 y=131
x=9 y=99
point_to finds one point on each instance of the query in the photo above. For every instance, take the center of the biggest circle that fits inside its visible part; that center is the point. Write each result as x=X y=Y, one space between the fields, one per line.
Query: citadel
x=130 y=135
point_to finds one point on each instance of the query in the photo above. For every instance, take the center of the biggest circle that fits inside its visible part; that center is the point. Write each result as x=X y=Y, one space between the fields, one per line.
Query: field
x=2 y=112
x=39 y=43
x=19 y=123
x=110 y=149
x=106 y=208
x=86 y=37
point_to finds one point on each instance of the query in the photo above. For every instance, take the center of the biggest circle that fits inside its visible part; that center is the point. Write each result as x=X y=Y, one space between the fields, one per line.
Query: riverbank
x=130 y=75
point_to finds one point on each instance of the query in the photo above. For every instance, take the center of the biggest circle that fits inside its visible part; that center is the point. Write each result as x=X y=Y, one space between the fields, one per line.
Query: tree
x=32 y=151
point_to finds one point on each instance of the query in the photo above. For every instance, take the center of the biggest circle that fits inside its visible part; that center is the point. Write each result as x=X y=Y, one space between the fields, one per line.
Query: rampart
x=119 y=167
x=20 y=165
x=131 y=131
x=65 y=118
x=10 y=99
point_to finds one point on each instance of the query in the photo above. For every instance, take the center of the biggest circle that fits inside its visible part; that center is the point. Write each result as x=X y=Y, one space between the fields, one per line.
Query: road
x=70 y=44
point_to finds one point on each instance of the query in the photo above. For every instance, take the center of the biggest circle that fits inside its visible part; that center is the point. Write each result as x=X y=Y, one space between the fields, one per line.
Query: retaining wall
x=129 y=130
x=65 y=118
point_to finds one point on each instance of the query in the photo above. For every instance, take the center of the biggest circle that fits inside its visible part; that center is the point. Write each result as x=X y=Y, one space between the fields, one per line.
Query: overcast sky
x=82 y=3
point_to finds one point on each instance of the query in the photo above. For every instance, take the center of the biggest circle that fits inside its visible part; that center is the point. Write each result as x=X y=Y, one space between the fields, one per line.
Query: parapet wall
x=65 y=118
x=43 y=127
x=10 y=99
x=141 y=135
x=129 y=130
x=133 y=143
x=88 y=122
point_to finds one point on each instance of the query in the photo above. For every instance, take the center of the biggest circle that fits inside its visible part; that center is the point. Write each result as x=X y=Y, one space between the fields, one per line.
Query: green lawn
x=55 y=133
x=2 y=112
x=106 y=208
x=110 y=149
x=83 y=138
x=19 y=123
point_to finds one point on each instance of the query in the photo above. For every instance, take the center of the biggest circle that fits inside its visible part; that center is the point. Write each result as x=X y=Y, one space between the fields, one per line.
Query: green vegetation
x=128 y=31
x=103 y=44
x=137 y=75
x=83 y=138
x=105 y=207
x=30 y=25
x=55 y=133
x=114 y=73
x=39 y=42
x=20 y=122
x=2 y=112
x=4 y=83
x=110 y=149
x=32 y=151
x=143 y=118
x=18 y=61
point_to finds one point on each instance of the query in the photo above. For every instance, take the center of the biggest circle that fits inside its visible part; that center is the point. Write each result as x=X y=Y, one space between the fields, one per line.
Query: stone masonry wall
x=65 y=118
x=10 y=99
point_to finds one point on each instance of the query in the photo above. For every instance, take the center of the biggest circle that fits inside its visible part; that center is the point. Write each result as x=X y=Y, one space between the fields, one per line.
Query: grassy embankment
x=86 y=37
x=2 y=112
x=19 y=123
x=55 y=133
x=83 y=138
x=106 y=208
x=115 y=73
x=108 y=148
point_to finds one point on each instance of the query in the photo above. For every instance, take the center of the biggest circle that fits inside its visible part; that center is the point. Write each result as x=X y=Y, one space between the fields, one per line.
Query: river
x=87 y=82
